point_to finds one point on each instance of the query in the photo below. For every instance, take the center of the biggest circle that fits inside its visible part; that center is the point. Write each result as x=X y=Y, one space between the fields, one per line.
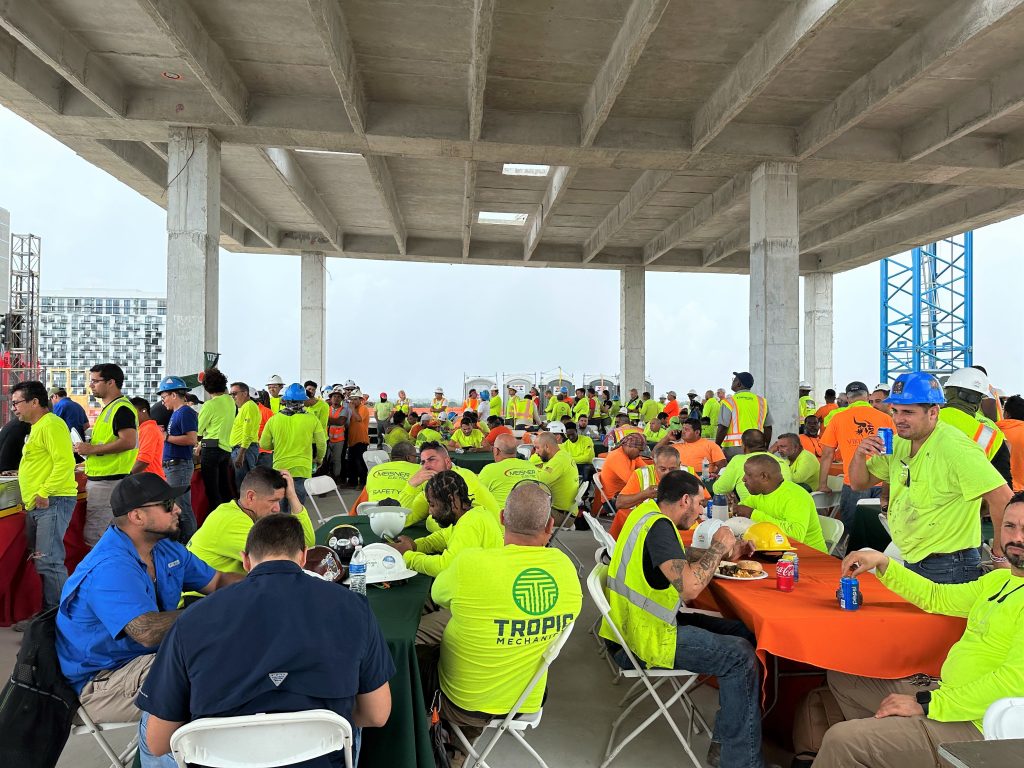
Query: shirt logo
x=174 y=563
x=535 y=591
x=277 y=677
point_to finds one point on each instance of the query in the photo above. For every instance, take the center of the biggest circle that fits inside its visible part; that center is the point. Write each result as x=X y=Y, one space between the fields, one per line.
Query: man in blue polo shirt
x=120 y=601
x=182 y=439
x=257 y=661
x=67 y=409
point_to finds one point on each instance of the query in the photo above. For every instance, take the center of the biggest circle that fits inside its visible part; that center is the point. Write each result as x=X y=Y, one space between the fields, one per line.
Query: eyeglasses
x=17 y=402
x=235 y=394
x=167 y=504
x=906 y=472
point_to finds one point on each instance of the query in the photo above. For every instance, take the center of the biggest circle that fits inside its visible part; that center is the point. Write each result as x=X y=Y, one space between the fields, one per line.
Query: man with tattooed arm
x=650 y=578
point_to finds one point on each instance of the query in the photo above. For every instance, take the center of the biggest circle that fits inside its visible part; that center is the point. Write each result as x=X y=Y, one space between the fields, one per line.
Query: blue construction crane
x=928 y=308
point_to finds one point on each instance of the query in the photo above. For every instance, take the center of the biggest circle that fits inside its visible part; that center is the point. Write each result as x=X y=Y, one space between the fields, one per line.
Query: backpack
x=818 y=712
x=37 y=704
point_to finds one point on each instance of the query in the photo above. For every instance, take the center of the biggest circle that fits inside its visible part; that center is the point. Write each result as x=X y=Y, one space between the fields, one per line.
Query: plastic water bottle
x=705 y=473
x=720 y=508
x=357 y=572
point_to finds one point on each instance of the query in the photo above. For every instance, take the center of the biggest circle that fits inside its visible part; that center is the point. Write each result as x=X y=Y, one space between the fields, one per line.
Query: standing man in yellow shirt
x=709 y=411
x=296 y=438
x=216 y=418
x=46 y=477
x=806 y=404
x=245 y=432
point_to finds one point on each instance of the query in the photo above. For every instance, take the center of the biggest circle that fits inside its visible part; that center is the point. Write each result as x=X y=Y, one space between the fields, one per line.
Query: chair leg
x=522 y=740
x=662 y=710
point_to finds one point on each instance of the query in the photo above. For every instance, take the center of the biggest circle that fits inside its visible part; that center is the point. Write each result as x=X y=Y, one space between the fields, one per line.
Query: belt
x=946 y=554
x=209 y=444
x=175 y=462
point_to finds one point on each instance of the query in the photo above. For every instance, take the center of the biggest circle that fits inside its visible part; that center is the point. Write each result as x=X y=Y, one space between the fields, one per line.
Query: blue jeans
x=45 y=529
x=300 y=491
x=848 y=499
x=252 y=455
x=953 y=568
x=181 y=475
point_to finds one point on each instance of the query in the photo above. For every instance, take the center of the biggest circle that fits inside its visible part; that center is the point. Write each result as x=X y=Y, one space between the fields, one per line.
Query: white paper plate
x=764 y=575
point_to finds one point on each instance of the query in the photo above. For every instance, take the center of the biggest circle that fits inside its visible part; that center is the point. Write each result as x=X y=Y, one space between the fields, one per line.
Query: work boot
x=714 y=754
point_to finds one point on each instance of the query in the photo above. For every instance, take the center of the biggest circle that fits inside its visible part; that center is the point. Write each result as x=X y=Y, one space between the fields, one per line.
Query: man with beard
x=120 y=602
x=897 y=723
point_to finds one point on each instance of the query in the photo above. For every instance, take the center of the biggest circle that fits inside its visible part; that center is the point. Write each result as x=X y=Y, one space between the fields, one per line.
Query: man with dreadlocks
x=462 y=526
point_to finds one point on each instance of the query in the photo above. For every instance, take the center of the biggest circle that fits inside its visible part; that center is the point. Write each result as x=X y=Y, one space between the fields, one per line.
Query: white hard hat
x=438 y=391
x=804 y=385
x=690 y=392
x=556 y=428
x=355 y=393
x=350 y=384
x=705 y=532
x=275 y=379
x=385 y=563
x=883 y=387
x=968 y=378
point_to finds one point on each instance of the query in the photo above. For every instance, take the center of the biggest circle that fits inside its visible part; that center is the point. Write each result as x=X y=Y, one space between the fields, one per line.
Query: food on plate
x=744 y=569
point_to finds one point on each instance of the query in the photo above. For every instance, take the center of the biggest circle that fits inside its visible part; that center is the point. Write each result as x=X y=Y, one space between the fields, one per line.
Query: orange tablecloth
x=887 y=638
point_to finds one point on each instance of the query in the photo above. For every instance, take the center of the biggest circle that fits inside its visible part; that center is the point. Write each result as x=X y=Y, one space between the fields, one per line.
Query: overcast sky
x=416 y=326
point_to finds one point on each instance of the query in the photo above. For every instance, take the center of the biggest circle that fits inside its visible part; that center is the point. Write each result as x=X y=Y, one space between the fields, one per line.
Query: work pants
x=109 y=697
x=356 y=465
x=888 y=742
x=45 y=528
x=215 y=467
x=252 y=454
x=179 y=475
x=952 y=568
x=98 y=513
x=336 y=460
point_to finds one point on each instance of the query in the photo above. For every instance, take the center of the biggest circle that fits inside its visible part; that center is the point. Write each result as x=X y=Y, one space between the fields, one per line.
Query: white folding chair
x=262 y=741
x=525 y=451
x=600 y=487
x=598 y=463
x=827 y=504
x=515 y=723
x=365 y=507
x=601 y=535
x=1004 y=719
x=835 y=482
x=649 y=680
x=96 y=730
x=832 y=529
x=373 y=458
x=568 y=524
x=323 y=486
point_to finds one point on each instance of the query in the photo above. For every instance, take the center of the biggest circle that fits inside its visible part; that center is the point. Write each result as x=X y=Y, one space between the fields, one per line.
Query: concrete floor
x=582 y=703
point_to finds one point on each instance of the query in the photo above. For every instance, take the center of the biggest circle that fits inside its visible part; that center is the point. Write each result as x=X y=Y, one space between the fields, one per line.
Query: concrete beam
x=468 y=204
x=646 y=187
x=632 y=337
x=193 y=232
x=64 y=52
x=791 y=32
x=180 y=25
x=312 y=317
x=341 y=59
x=291 y=174
x=239 y=206
x=29 y=77
x=380 y=175
x=942 y=38
x=480 y=54
x=561 y=177
x=818 y=333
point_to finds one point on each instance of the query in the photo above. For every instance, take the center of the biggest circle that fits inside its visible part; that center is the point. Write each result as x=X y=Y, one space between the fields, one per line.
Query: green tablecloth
x=474 y=461
x=405 y=739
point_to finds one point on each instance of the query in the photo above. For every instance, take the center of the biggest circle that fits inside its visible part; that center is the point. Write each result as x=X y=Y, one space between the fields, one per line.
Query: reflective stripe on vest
x=648 y=477
x=986 y=438
x=617 y=583
x=738 y=422
x=335 y=433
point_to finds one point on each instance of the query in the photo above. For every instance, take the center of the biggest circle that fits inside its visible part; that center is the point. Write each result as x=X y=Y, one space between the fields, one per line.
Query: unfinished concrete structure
x=780 y=137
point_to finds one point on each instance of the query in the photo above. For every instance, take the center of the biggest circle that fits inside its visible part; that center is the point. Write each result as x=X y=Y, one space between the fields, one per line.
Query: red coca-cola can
x=785 y=572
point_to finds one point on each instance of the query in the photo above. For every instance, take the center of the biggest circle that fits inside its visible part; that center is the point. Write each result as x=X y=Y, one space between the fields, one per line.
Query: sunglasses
x=167 y=504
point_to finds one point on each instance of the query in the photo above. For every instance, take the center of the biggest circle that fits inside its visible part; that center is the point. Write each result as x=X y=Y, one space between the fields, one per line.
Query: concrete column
x=313 y=318
x=193 y=258
x=818 y=333
x=774 y=290
x=632 y=305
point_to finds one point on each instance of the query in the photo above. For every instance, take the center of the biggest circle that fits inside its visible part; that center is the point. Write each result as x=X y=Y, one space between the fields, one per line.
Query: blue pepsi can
x=886 y=434
x=708 y=506
x=849 y=594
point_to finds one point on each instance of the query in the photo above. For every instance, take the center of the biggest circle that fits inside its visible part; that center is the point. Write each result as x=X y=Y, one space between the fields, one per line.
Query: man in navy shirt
x=182 y=439
x=285 y=642
x=67 y=409
x=120 y=601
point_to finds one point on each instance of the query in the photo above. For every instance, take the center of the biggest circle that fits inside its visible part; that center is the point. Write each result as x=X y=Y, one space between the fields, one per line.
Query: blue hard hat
x=295 y=393
x=564 y=390
x=916 y=388
x=171 y=383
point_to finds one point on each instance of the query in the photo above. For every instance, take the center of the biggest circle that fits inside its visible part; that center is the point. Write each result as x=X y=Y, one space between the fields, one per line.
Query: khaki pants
x=98 y=513
x=888 y=742
x=110 y=696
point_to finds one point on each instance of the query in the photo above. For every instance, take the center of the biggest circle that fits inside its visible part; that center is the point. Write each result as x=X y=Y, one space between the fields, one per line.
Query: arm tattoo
x=704 y=569
x=149 y=628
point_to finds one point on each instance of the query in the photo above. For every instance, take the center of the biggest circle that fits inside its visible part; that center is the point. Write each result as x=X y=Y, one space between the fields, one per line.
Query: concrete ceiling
x=905 y=118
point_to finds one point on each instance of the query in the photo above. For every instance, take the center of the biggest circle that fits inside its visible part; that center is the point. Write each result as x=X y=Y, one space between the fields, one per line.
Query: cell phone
x=388 y=539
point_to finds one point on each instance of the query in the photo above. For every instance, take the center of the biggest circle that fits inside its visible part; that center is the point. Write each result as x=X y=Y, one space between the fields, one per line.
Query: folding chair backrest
x=603 y=538
x=823 y=501
x=318 y=486
x=373 y=458
x=525 y=451
x=581 y=493
x=549 y=655
x=599 y=485
x=596 y=582
x=1004 y=719
x=262 y=741
x=598 y=463
x=832 y=529
x=835 y=482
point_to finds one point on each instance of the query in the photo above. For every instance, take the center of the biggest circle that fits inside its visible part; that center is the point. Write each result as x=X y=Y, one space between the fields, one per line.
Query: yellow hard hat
x=767 y=537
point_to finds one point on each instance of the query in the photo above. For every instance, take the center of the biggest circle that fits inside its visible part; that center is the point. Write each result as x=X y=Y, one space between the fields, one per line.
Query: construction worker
x=178 y=456
x=730 y=479
x=739 y=412
x=472 y=402
x=496 y=404
x=937 y=480
x=672 y=405
x=388 y=479
x=633 y=404
x=336 y=422
x=435 y=459
x=557 y=408
x=619 y=465
x=964 y=390
x=579 y=447
x=382 y=411
x=557 y=470
x=245 y=432
x=512 y=406
x=402 y=404
x=296 y=437
x=398 y=432
x=439 y=405
x=709 y=411
x=1012 y=425
x=582 y=405
x=778 y=501
x=655 y=430
x=990 y=405
x=877 y=398
x=829 y=406
x=508 y=468
x=274 y=386
x=467 y=437
x=803 y=465
x=685 y=439
x=643 y=485
x=806 y=404
x=110 y=453
x=649 y=408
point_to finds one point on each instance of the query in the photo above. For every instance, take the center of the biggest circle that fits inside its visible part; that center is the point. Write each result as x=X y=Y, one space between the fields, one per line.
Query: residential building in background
x=78 y=330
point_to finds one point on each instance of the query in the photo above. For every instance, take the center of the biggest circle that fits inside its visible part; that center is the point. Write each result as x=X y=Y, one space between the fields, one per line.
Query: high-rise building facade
x=77 y=331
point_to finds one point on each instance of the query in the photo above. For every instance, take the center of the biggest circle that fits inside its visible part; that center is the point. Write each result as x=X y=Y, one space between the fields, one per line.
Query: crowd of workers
x=129 y=648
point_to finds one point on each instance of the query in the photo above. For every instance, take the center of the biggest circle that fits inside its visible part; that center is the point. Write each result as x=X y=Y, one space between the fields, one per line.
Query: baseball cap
x=139 y=490
x=746 y=378
x=856 y=386
x=383 y=395
x=556 y=428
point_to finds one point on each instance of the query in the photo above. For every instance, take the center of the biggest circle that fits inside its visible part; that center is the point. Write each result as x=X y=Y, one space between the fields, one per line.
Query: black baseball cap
x=856 y=386
x=139 y=490
x=745 y=377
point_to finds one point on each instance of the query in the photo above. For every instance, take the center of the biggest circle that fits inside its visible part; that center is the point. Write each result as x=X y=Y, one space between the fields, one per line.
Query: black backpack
x=37 y=705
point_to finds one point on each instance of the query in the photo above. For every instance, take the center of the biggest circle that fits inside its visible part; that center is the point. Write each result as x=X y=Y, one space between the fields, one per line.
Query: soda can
x=849 y=594
x=794 y=558
x=708 y=508
x=886 y=434
x=784 y=575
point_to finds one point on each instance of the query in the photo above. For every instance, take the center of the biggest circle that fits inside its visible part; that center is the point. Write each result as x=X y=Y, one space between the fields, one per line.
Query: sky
x=393 y=325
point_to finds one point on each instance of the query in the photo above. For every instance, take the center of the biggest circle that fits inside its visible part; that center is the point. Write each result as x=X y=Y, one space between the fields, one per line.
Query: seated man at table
x=256 y=662
x=119 y=603
x=557 y=470
x=483 y=670
x=774 y=500
x=579 y=447
x=894 y=723
x=495 y=429
x=619 y=465
x=731 y=478
x=684 y=437
x=467 y=436
x=388 y=479
x=643 y=485
x=803 y=464
x=434 y=458
x=651 y=565
x=461 y=525
x=508 y=469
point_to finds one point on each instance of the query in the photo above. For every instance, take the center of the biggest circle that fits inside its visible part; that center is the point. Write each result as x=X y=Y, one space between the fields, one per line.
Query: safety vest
x=981 y=430
x=807 y=407
x=336 y=433
x=511 y=407
x=471 y=404
x=438 y=407
x=275 y=404
x=620 y=432
x=633 y=408
x=111 y=464
x=748 y=412
x=645 y=616
x=648 y=476
x=524 y=409
x=402 y=405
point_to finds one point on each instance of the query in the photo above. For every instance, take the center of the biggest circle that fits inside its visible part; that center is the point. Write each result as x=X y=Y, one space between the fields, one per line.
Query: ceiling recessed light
x=328 y=152
x=497 y=217
x=171 y=75
x=524 y=169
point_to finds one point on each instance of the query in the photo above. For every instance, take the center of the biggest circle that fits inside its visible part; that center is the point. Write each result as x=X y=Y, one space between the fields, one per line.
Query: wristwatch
x=924 y=698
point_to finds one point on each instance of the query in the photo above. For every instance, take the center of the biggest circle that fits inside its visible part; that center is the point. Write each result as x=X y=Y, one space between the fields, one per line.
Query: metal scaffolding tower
x=927 y=308
x=21 y=337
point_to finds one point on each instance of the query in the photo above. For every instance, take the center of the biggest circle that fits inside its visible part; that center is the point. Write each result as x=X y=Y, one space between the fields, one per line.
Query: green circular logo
x=535 y=591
